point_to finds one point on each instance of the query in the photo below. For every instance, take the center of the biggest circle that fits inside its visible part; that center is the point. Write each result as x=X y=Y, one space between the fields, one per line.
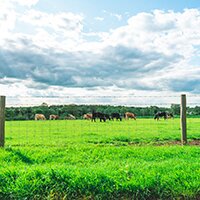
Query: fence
x=2 y=121
x=17 y=125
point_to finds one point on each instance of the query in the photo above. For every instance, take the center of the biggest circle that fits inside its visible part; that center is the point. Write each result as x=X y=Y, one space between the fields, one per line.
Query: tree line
x=28 y=113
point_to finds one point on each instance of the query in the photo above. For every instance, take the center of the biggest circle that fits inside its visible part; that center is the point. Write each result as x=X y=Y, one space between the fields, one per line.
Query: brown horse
x=128 y=115
x=40 y=117
x=53 y=117
x=70 y=117
x=87 y=116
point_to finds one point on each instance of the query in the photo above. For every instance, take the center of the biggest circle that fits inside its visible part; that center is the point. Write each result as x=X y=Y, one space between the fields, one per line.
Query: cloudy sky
x=94 y=48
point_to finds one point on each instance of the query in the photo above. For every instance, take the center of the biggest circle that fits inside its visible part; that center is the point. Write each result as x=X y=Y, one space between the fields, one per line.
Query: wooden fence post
x=183 y=120
x=2 y=120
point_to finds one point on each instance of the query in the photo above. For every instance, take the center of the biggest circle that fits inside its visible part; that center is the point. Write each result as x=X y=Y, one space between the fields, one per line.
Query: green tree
x=175 y=108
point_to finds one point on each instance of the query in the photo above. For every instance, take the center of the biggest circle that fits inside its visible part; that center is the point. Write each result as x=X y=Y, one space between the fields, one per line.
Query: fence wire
x=22 y=129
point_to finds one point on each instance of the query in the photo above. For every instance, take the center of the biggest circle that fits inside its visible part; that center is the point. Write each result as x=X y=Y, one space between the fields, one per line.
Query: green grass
x=113 y=160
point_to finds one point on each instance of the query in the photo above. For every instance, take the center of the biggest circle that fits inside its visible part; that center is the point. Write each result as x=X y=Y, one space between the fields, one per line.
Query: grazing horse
x=40 y=117
x=128 y=115
x=99 y=115
x=159 y=115
x=170 y=116
x=70 y=116
x=87 y=116
x=116 y=116
x=53 y=117
x=107 y=116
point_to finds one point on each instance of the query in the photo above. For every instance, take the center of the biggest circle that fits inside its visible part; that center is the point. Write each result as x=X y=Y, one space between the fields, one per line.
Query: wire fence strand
x=23 y=129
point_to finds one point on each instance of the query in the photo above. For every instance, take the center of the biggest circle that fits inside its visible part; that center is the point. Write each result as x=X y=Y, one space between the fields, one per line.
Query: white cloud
x=165 y=32
x=146 y=54
x=116 y=15
x=7 y=19
x=99 y=18
x=61 y=30
x=28 y=3
x=64 y=22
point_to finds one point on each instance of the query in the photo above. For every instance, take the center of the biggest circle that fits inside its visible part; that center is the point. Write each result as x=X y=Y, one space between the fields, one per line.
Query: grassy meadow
x=80 y=159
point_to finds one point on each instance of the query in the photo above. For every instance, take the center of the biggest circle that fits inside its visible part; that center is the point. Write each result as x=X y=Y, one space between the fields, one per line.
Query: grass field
x=113 y=160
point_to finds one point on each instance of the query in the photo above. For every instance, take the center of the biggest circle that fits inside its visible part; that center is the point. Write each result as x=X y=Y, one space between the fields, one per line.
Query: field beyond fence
x=21 y=127
x=128 y=132
x=81 y=159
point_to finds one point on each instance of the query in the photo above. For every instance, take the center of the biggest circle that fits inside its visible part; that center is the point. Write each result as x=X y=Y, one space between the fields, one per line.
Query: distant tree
x=175 y=108
x=22 y=113
x=196 y=110
x=44 y=104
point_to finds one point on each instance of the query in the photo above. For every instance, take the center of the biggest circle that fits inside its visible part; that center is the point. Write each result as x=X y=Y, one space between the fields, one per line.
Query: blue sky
x=95 y=47
x=93 y=7
x=126 y=8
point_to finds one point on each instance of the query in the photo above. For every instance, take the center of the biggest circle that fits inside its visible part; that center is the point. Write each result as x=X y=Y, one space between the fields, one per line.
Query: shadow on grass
x=20 y=156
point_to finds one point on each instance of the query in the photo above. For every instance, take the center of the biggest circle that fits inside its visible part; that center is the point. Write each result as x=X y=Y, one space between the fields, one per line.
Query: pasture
x=80 y=159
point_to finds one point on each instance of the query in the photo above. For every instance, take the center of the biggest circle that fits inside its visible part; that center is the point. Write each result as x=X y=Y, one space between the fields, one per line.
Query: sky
x=92 y=48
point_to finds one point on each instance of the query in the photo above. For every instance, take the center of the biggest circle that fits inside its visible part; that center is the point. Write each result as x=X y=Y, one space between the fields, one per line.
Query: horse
x=70 y=117
x=40 y=117
x=107 y=116
x=128 y=115
x=87 y=116
x=99 y=115
x=160 y=114
x=53 y=117
x=170 y=116
x=117 y=116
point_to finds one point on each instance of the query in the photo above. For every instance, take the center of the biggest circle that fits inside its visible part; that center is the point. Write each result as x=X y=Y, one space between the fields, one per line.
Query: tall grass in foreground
x=84 y=160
